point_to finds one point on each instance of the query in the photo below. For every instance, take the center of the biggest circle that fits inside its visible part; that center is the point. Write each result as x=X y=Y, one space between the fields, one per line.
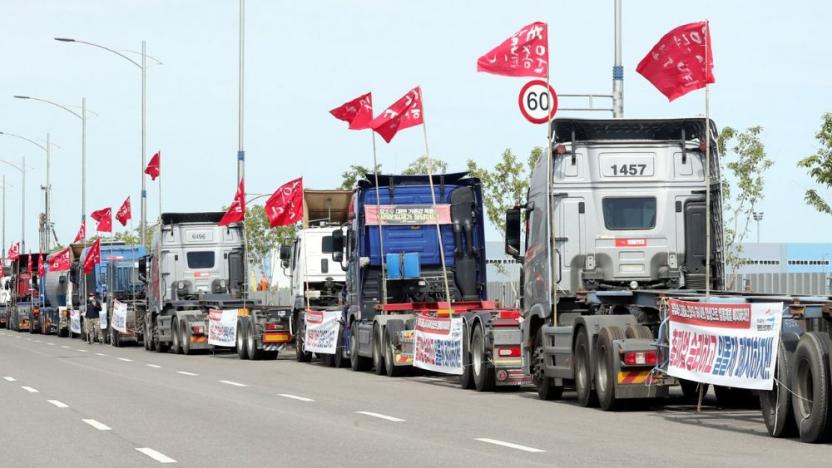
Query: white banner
x=222 y=327
x=102 y=316
x=321 y=334
x=732 y=345
x=75 y=321
x=119 y=316
x=438 y=344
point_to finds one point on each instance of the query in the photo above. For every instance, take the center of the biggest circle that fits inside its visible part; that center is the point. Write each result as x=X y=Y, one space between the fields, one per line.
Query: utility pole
x=758 y=216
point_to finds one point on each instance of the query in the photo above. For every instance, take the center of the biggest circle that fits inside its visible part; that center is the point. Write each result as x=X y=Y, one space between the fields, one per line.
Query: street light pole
x=241 y=153
x=617 y=69
x=758 y=216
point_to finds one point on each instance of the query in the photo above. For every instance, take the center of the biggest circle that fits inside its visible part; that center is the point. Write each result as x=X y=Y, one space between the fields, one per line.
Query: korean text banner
x=438 y=344
x=321 y=334
x=732 y=345
x=119 y=316
x=222 y=327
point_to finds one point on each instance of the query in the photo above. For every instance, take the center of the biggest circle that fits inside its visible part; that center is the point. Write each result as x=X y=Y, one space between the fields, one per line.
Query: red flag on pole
x=14 y=251
x=123 y=214
x=42 y=265
x=153 y=168
x=93 y=256
x=402 y=114
x=237 y=211
x=60 y=260
x=104 y=217
x=525 y=53
x=358 y=112
x=682 y=61
x=82 y=233
x=285 y=206
x=29 y=263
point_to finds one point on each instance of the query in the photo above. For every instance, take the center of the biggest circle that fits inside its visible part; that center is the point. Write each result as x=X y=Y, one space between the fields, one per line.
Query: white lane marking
x=155 y=366
x=51 y=344
x=28 y=339
x=186 y=373
x=29 y=389
x=125 y=359
x=81 y=350
x=64 y=346
x=18 y=337
x=100 y=354
x=37 y=341
x=158 y=456
x=380 y=416
x=231 y=382
x=294 y=397
x=9 y=379
x=97 y=425
x=510 y=445
x=59 y=404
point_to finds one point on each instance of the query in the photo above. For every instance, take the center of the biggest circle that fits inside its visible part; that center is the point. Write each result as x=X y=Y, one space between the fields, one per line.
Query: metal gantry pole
x=48 y=207
x=23 y=206
x=143 y=227
x=617 y=68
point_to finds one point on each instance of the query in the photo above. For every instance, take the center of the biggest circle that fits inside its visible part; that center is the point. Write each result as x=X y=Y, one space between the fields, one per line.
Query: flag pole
x=707 y=169
x=550 y=225
x=435 y=211
x=378 y=218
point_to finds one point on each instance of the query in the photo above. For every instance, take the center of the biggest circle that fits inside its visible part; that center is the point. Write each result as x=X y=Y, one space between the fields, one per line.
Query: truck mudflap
x=636 y=375
x=198 y=335
x=506 y=353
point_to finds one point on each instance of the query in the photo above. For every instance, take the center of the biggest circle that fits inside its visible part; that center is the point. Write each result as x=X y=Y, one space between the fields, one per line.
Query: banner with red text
x=438 y=344
x=321 y=331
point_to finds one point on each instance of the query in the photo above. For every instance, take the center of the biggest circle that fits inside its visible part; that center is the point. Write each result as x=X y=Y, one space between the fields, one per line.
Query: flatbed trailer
x=264 y=331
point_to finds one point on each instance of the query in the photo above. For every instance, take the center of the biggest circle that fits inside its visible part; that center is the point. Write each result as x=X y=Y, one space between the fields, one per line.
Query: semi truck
x=317 y=282
x=195 y=266
x=24 y=304
x=384 y=301
x=5 y=282
x=117 y=280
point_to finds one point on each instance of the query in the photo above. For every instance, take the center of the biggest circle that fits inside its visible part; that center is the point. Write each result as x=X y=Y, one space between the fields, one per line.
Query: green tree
x=261 y=238
x=355 y=173
x=745 y=162
x=420 y=166
x=819 y=166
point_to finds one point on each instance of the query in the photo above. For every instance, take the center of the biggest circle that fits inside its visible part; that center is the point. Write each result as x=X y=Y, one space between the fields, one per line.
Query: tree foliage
x=261 y=238
x=420 y=166
x=819 y=166
x=355 y=173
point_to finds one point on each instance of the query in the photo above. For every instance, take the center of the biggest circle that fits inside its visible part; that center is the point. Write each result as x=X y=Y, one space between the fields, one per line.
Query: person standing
x=91 y=320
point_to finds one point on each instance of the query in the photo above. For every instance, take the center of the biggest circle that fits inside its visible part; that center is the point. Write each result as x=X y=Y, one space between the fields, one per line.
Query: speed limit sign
x=538 y=102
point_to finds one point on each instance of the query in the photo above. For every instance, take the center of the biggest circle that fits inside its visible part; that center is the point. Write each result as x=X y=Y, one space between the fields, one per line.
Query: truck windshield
x=326 y=244
x=632 y=213
x=198 y=260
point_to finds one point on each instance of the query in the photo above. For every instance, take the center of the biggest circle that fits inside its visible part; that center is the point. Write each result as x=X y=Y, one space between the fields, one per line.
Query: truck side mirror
x=285 y=255
x=338 y=245
x=512 y=246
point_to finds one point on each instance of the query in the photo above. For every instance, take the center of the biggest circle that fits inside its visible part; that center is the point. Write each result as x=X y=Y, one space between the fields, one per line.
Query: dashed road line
x=50 y=343
x=9 y=379
x=380 y=416
x=64 y=347
x=186 y=373
x=59 y=404
x=158 y=456
x=97 y=425
x=100 y=354
x=28 y=339
x=81 y=350
x=125 y=359
x=155 y=366
x=231 y=382
x=510 y=445
x=29 y=389
x=38 y=341
x=294 y=397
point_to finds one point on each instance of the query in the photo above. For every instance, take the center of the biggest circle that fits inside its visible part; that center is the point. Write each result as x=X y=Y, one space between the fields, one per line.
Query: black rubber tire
x=545 y=386
x=357 y=363
x=115 y=338
x=605 y=375
x=339 y=360
x=242 y=350
x=185 y=338
x=690 y=390
x=812 y=404
x=776 y=404
x=160 y=347
x=254 y=354
x=300 y=333
x=638 y=331
x=583 y=371
x=466 y=380
x=482 y=368
x=390 y=367
x=270 y=355
x=378 y=356
x=175 y=346
x=148 y=337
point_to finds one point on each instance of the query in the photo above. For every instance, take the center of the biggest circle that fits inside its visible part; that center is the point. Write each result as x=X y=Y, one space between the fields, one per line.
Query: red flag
x=61 y=260
x=14 y=251
x=154 y=167
x=82 y=233
x=285 y=206
x=42 y=266
x=678 y=64
x=404 y=113
x=525 y=53
x=358 y=112
x=237 y=211
x=29 y=263
x=93 y=256
x=123 y=214
x=104 y=217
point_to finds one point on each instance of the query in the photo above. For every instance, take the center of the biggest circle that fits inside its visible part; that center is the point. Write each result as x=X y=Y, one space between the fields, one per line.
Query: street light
x=22 y=169
x=143 y=67
x=44 y=245
x=758 y=216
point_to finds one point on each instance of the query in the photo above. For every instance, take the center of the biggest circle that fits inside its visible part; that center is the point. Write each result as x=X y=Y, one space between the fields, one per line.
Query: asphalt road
x=64 y=402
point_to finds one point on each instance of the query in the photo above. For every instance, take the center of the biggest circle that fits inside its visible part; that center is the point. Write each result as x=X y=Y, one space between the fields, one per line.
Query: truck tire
x=254 y=354
x=378 y=357
x=148 y=337
x=776 y=404
x=390 y=367
x=482 y=367
x=545 y=386
x=357 y=363
x=175 y=347
x=115 y=338
x=812 y=403
x=242 y=350
x=185 y=338
x=638 y=332
x=605 y=375
x=300 y=334
x=339 y=360
x=583 y=371
x=466 y=380
x=160 y=347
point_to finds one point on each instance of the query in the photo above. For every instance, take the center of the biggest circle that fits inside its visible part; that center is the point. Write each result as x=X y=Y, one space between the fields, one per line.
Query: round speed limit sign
x=538 y=102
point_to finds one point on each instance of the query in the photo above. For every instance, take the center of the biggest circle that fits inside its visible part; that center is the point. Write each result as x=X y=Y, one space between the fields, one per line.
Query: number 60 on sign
x=538 y=102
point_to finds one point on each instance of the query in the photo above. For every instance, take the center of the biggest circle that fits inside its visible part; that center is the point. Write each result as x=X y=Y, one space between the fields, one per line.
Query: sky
x=303 y=58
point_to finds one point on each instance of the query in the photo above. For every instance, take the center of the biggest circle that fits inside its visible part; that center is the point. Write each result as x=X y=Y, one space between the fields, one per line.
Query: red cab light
x=270 y=326
x=640 y=358
x=197 y=330
x=507 y=351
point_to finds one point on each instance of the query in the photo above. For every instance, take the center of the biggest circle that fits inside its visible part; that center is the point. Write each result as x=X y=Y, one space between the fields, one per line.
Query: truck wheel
x=148 y=337
x=390 y=367
x=185 y=338
x=160 y=347
x=242 y=351
x=583 y=371
x=482 y=367
x=466 y=380
x=605 y=375
x=339 y=360
x=254 y=354
x=776 y=403
x=378 y=358
x=115 y=338
x=812 y=403
x=546 y=388
x=638 y=331
x=357 y=363
x=175 y=346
